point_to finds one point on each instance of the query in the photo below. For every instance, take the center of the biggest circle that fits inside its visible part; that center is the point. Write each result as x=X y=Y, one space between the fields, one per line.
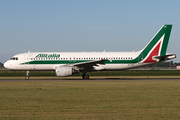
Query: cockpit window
x=14 y=58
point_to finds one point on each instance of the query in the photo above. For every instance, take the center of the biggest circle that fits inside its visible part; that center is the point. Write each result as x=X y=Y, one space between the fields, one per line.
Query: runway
x=79 y=80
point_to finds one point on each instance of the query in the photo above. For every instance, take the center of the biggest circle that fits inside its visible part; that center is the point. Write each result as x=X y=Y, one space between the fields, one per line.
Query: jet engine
x=64 y=71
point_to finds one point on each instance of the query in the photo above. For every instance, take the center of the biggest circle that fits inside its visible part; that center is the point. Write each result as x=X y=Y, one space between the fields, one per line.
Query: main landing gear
x=85 y=76
x=27 y=75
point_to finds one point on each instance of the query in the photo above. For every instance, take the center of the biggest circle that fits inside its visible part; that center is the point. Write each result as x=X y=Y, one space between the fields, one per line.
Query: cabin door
x=26 y=59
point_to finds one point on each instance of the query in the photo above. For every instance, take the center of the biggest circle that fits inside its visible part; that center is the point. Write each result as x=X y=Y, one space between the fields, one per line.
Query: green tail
x=158 y=45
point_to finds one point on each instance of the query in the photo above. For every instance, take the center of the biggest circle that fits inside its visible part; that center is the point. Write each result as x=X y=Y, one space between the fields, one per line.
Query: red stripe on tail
x=153 y=53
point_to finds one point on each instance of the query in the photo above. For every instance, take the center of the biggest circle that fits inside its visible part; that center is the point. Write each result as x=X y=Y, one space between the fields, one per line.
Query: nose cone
x=7 y=65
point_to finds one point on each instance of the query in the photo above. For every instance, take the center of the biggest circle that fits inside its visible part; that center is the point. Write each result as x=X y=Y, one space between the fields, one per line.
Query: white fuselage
x=46 y=61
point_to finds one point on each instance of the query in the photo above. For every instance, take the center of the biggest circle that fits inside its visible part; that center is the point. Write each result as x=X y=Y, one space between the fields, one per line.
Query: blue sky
x=84 y=25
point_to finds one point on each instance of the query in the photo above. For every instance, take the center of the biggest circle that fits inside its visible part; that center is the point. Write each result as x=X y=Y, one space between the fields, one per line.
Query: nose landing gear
x=27 y=75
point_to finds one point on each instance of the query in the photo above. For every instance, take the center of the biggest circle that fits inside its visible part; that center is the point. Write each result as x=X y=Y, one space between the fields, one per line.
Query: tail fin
x=157 y=46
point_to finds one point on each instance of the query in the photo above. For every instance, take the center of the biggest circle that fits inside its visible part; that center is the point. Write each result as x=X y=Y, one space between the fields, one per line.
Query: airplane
x=68 y=63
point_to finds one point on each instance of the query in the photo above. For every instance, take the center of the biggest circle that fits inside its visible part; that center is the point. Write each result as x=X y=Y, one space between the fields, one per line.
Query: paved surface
x=108 y=79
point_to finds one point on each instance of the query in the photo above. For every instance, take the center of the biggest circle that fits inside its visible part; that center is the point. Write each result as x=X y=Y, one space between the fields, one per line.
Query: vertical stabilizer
x=157 y=46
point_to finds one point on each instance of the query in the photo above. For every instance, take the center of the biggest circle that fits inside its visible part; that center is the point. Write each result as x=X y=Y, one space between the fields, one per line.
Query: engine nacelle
x=64 y=71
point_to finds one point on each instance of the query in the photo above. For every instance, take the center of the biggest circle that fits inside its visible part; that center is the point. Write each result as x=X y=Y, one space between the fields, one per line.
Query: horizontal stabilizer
x=165 y=57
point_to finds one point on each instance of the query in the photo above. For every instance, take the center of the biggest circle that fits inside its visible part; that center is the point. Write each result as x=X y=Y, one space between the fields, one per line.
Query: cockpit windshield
x=14 y=58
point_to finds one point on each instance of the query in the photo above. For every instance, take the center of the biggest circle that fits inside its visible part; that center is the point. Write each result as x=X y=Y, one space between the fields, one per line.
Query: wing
x=89 y=65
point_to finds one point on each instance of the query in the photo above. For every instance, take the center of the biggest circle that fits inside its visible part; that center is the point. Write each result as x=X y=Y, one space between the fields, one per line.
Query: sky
x=85 y=25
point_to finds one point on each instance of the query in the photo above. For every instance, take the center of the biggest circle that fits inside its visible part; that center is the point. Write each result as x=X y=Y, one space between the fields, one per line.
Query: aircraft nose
x=7 y=64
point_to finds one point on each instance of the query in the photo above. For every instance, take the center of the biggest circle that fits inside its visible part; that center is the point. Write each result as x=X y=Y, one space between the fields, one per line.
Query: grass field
x=110 y=100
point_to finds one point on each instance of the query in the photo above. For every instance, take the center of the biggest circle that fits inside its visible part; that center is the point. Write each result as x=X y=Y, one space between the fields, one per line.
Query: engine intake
x=64 y=71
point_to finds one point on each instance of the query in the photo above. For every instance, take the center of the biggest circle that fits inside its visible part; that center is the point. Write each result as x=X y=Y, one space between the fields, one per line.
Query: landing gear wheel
x=27 y=77
x=85 y=76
